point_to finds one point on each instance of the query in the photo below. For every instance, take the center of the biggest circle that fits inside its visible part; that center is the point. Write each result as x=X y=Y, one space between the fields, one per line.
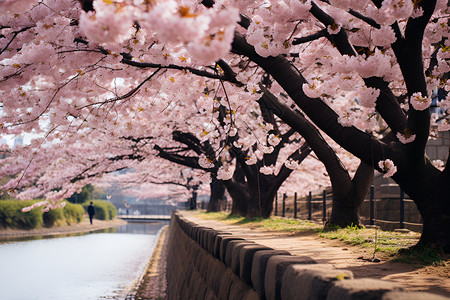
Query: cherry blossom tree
x=156 y=177
x=254 y=179
x=353 y=69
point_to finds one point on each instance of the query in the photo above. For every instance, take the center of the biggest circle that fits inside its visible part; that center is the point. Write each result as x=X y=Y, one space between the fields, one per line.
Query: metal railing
x=317 y=207
x=389 y=210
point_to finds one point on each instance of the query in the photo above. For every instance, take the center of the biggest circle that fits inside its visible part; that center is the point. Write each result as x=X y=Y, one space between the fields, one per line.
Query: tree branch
x=194 y=71
x=310 y=38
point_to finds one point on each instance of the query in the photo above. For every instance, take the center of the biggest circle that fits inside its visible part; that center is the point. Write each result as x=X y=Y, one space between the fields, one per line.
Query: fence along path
x=386 y=206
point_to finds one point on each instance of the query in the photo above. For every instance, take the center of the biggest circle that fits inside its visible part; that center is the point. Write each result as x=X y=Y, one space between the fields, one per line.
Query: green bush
x=103 y=210
x=11 y=215
x=53 y=217
x=73 y=213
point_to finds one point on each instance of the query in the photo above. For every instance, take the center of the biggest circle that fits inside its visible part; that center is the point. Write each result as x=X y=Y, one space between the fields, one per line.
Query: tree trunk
x=217 y=195
x=431 y=194
x=252 y=200
x=436 y=219
x=261 y=203
x=345 y=212
x=192 y=202
x=347 y=201
x=415 y=175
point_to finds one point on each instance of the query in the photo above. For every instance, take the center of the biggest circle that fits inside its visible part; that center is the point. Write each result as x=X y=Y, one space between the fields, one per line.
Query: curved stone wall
x=203 y=263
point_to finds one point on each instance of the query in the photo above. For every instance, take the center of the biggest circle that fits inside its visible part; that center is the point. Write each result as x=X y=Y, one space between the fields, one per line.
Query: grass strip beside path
x=394 y=245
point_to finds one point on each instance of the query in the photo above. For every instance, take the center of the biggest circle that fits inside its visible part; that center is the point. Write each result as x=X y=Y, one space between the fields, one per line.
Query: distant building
x=438 y=148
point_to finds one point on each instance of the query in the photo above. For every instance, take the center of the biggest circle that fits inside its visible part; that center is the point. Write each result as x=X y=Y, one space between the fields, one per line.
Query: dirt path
x=434 y=279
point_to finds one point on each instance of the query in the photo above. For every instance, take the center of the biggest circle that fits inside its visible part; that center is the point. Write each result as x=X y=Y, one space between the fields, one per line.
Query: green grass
x=382 y=241
x=422 y=255
x=272 y=224
x=397 y=245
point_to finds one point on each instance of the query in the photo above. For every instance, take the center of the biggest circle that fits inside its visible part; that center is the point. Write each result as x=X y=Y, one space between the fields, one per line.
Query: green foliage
x=73 y=213
x=112 y=210
x=88 y=192
x=104 y=210
x=11 y=215
x=53 y=217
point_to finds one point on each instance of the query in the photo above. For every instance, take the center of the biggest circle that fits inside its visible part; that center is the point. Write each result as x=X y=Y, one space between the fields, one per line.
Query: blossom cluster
x=420 y=102
x=388 y=167
x=92 y=83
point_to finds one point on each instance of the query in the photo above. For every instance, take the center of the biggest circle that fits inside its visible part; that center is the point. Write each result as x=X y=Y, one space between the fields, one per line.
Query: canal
x=100 y=265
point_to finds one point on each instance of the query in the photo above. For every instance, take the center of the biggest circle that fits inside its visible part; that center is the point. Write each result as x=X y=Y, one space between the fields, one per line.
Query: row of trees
x=242 y=90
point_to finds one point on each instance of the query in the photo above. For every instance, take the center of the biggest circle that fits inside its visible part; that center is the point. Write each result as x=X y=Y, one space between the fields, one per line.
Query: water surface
x=103 y=265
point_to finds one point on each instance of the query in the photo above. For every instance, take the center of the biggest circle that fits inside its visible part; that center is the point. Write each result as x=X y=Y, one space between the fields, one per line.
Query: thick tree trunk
x=261 y=206
x=436 y=219
x=415 y=176
x=347 y=201
x=251 y=200
x=345 y=212
x=192 y=202
x=217 y=195
x=431 y=194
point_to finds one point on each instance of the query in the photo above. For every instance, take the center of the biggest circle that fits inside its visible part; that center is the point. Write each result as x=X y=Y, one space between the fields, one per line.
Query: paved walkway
x=340 y=255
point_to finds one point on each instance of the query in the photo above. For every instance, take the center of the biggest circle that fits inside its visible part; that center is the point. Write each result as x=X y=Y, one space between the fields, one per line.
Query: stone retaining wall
x=203 y=263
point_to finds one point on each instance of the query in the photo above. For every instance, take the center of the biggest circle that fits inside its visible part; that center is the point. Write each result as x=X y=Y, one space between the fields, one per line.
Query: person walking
x=91 y=212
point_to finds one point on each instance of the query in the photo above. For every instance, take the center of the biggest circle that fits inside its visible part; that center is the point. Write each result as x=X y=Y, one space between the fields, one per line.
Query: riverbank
x=154 y=283
x=82 y=227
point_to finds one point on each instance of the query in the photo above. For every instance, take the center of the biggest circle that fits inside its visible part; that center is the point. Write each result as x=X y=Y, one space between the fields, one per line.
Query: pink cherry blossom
x=388 y=167
x=419 y=102
x=406 y=137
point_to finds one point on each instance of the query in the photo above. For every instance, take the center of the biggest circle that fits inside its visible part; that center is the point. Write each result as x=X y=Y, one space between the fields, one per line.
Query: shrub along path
x=433 y=279
x=81 y=227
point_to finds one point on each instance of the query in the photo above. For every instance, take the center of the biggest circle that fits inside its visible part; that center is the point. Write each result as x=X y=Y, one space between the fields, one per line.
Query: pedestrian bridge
x=144 y=218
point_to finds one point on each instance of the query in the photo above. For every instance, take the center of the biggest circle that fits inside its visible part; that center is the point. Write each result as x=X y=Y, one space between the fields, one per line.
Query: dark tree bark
x=427 y=186
x=348 y=194
x=217 y=197
x=192 y=202
x=253 y=195
x=347 y=203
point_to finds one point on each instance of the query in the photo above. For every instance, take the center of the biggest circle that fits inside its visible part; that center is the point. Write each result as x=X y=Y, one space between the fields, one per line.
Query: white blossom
x=266 y=170
x=205 y=162
x=406 y=137
x=273 y=139
x=419 y=102
x=388 y=167
x=291 y=164
x=251 y=160
x=224 y=173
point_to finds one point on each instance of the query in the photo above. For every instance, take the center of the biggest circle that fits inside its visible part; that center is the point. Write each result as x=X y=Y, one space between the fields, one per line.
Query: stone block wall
x=203 y=263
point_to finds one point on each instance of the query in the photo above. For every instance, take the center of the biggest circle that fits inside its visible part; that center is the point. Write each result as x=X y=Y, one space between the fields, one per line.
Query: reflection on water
x=102 y=265
x=138 y=227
